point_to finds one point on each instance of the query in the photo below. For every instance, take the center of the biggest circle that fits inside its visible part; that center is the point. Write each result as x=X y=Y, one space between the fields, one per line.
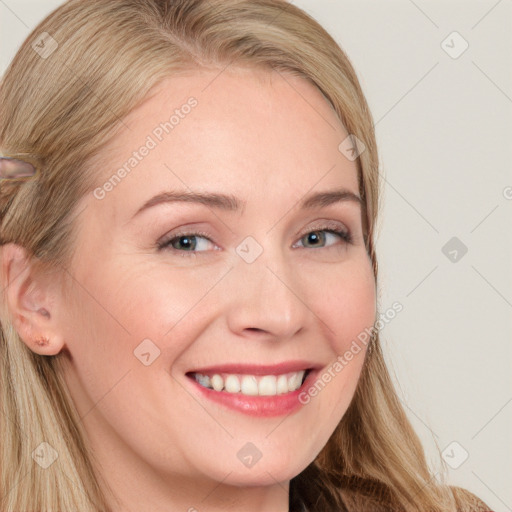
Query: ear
x=30 y=300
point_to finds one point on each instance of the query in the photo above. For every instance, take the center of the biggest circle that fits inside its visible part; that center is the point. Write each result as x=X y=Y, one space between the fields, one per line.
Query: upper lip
x=256 y=369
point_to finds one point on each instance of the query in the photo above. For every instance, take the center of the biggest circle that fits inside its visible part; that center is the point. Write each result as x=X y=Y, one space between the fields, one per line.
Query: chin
x=262 y=474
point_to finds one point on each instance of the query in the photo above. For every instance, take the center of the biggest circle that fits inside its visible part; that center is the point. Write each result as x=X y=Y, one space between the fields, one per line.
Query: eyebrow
x=229 y=202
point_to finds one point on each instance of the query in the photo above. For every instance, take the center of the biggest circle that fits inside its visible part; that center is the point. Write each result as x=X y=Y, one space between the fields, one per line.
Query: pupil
x=187 y=241
x=312 y=237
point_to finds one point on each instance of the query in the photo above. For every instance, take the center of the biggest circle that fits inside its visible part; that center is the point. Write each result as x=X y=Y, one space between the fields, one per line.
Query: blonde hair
x=60 y=111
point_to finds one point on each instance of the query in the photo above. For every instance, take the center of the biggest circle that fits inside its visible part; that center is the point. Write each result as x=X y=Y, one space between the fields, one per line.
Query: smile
x=256 y=390
x=252 y=385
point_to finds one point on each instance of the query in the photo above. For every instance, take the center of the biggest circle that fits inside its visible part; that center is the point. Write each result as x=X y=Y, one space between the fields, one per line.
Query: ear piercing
x=42 y=342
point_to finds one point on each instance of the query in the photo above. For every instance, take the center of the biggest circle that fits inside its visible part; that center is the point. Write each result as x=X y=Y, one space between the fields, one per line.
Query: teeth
x=217 y=383
x=266 y=385
x=249 y=385
x=204 y=380
x=282 y=384
x=294 y=381
x=232 y=384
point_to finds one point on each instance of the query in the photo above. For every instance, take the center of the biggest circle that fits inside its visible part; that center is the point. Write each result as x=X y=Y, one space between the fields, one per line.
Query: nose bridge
x=266 y=293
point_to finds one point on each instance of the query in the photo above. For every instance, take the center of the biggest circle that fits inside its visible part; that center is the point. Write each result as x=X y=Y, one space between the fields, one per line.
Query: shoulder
x=467 y=502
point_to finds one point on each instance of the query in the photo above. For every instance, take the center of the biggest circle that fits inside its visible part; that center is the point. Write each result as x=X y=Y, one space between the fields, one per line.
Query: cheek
x=171 y=307
x=346 y=305
x=346 y=302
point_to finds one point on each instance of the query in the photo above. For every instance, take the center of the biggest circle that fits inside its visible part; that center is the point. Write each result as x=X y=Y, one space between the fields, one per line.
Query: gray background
x=444 y=129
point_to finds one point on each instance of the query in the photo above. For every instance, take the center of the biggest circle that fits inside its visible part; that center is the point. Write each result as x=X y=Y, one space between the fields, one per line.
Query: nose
x=265 y=298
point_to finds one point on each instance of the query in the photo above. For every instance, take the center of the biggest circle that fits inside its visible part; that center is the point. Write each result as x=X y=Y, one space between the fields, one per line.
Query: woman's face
x=261 y=294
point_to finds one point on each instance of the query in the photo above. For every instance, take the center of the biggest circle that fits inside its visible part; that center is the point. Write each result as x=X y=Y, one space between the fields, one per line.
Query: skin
x=268 y=139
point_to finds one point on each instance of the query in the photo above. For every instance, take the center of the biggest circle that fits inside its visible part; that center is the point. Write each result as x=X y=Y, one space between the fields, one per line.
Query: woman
x=189 y=308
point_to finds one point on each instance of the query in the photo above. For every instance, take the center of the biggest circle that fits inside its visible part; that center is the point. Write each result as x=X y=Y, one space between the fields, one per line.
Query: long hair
x=60 y=108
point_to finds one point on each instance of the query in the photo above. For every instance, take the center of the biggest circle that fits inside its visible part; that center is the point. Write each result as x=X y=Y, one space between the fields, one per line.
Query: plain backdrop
x=437 y=76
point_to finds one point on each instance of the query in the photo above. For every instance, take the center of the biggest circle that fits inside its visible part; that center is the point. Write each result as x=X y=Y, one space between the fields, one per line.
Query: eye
x=318 y=237
x=186 y=242
x=195 y=242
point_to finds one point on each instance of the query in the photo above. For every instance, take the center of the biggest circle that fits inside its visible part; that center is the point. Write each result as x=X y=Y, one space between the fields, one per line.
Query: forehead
x=251 y=132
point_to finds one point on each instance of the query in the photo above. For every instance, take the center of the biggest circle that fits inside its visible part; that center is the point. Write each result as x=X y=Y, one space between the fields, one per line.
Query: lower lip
x=261 y=406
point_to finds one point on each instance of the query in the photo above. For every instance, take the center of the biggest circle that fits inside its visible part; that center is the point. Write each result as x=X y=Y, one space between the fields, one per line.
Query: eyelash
x=166 y=244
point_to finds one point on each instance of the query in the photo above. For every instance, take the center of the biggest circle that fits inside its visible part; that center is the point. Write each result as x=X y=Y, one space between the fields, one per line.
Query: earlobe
x=27 y=299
